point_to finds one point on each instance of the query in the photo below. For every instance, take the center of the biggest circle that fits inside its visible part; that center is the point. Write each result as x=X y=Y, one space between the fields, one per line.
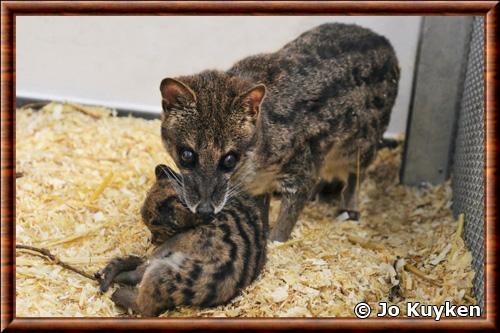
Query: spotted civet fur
x=202 y=266
x=328 y=102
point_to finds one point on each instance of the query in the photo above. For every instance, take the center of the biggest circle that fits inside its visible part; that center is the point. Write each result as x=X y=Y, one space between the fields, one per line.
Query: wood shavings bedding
x=84 y=175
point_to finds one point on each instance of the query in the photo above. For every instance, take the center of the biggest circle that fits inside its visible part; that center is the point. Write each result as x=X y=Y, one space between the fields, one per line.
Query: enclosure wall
x=119 y=61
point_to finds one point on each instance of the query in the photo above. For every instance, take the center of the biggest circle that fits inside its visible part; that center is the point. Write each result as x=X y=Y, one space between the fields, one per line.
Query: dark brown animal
x=164 y=213
x=203 y=263
x=328 y=102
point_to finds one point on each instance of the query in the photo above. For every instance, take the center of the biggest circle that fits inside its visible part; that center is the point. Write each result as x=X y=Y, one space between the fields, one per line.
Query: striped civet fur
x=203 y=263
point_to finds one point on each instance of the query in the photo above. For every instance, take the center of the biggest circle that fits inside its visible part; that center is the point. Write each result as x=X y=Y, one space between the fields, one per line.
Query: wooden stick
x=460 y=227
x=35 y=105
x=84 y=110
x=364 y=243
x=101 y=187
x=457 y=236
x=419 y=273
x=76 y=261
x=358 y=176
x=68 y=239
x=46 y=253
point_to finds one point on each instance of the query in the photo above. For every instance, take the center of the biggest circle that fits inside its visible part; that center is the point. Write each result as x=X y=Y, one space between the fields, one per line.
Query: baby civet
x=198 y=262
x=314 y=110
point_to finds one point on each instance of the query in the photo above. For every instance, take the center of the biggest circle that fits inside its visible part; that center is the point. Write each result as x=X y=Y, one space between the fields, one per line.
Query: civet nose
x=205 y=208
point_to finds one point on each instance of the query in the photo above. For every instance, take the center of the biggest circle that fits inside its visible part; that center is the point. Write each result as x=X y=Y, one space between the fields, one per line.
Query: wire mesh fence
x=468 y=160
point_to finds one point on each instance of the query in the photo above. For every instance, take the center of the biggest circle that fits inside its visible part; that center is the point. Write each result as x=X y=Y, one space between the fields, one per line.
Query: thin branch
x=419 y=273
x=85 y=110
x=102 y=187
x=35 y=105
x=364 y=243
x=46 y=253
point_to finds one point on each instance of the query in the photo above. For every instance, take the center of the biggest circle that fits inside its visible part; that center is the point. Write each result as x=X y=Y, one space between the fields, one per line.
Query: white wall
x=119 y=61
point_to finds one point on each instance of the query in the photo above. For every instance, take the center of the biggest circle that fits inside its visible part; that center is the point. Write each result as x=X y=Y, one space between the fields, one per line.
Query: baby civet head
x=163 y=212
x=208 y=124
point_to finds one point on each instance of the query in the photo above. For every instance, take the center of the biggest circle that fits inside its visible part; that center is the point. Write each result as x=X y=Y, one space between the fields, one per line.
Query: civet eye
x=229 y=162
x=188 y=158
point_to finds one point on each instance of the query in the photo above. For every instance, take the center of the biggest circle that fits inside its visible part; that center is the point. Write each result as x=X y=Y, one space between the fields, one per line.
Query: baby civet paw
x=125 y=297
x=348 y=215
x=108 y=274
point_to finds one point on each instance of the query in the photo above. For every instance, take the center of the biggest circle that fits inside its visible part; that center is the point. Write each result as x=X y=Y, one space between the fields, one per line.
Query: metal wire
x=468 y=159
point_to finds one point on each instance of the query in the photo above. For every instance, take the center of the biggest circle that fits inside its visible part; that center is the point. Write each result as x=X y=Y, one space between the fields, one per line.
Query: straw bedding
x=83 y=174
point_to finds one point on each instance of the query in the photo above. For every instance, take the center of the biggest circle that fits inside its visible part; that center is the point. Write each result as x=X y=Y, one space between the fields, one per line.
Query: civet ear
x=163 y=171
x=174 y=92
x=252 y=99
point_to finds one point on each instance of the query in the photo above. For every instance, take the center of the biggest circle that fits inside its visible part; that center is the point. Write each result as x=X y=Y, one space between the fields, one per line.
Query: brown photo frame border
x=11 y=9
